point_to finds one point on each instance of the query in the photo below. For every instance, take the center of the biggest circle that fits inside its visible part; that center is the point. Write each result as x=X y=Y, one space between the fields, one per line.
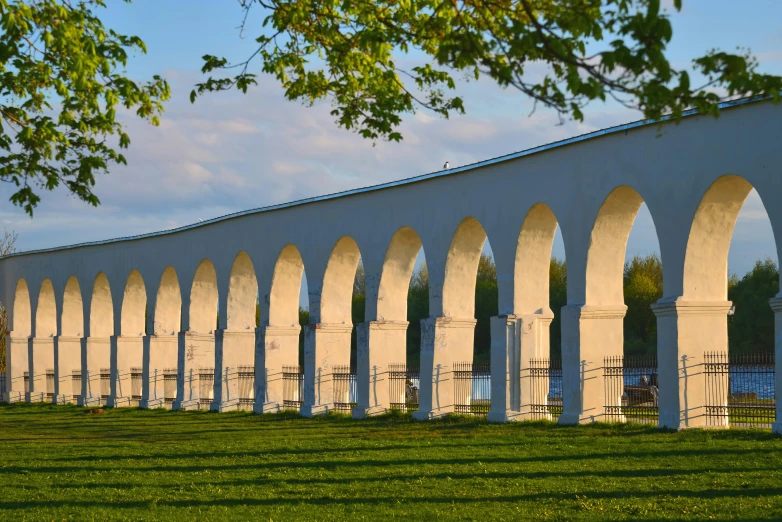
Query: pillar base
x=363 y=413
x=152 y=404
x=429 y=415
x=314 y=411
x=776 y=428
x=505 y=416
x=267 y=407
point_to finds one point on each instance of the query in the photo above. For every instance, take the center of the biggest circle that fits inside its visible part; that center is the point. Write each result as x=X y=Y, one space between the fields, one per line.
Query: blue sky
x=230 y=152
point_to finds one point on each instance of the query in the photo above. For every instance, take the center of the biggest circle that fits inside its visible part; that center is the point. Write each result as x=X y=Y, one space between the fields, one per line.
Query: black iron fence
x=169 y=386
x=76 y=385
x=136 y=382
x=292 y=387
x=631 y=389
x=50 y=385
x=545 y=378
x=472 y=388
x=740 y=389
x=206 y=386
x=105 y=384
x=344 y=388
x=2 y=387
x=246 y=384
x=404 y=382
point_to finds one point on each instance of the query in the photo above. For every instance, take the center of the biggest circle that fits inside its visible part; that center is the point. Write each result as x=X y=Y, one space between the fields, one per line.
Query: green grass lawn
x=61 y=463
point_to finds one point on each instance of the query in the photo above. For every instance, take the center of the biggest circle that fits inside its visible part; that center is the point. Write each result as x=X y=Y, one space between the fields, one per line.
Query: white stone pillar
x=444 y=341
x=515 y=341
x=196 y=371
x=96 y=361
x=17 y=362
x=67 y=360
x=776 y=305
x=505 y=368
x=127 y=370
x=277 y=347
x=234 y=353
x=589 y=334
x=325 y=346
x=379 y=344
x=160 y=354
x=42 y=362
x=685 y=330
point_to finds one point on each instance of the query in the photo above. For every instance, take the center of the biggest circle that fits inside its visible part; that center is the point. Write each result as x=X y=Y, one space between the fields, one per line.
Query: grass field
x=61 y=463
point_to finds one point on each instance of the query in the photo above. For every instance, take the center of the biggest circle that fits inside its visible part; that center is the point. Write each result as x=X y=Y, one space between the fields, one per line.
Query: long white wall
x=693 y=177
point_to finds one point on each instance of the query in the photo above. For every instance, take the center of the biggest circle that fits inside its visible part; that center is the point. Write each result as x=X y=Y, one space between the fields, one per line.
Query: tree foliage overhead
x=377 y=61
x=61 y=83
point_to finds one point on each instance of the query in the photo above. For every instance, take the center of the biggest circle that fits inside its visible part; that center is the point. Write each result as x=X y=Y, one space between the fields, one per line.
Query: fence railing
x=76 y=385
x=2 y=387
x=545 y=377
x=404 y=382
x=169 y=386
x=472 y=388
x=136 y=382
x=50 y=385
x=740 y=389
x=292 y=387
x=631 y=389
x=246 y=384
x=344 y=388
x=105 y=384
x=206 y=386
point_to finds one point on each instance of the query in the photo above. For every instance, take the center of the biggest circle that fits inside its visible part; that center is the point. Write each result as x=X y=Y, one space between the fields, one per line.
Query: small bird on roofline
x=446 y=166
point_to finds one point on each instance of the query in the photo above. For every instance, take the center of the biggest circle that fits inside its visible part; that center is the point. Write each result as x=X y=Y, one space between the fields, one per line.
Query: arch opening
x=22 y=316
x=403 y=292
x=72 y=309
x=101 y=308
x=168 y=304
x=242 y=294
x=134 y=306
x=204 y=299
x=731 y=204
x=46 y=312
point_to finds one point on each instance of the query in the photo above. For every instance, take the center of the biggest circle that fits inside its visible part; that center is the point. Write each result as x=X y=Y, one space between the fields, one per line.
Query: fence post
x=776 y=306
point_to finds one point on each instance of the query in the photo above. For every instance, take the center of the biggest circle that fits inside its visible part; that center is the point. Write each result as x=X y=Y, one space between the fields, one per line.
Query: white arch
x=337 y=292
x=286 y=287
x=461 y=268
x=46 y=312
x=608 y=245
x=397 y=272
x=533 y=260
x=706 y=257
x=72 y=309
x=101 y=308
x=168 y=304
x=203 y=298
x=242 y=294
x=134 y=304
x=22 y=316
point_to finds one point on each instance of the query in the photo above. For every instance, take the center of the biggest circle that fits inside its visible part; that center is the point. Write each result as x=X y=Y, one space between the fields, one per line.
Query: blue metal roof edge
x=406 y=181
